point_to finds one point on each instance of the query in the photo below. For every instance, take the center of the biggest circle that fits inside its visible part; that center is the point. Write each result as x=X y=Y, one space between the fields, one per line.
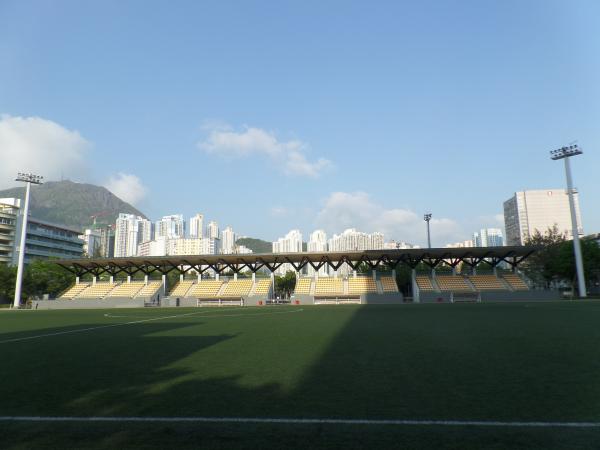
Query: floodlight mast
x=30 y=179
x=427 y=218
x=565 y=153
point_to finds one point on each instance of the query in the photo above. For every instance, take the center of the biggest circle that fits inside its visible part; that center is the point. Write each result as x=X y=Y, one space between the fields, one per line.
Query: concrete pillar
x=432 y=273
x=453 y=270
x=254 y=277
x=76 y=280
x=473 y=270
x=129 y=278
x=335 y=273
x=354 y=274
x=95 y=279
x=415 y=288
x=273 y=282
x=374 y=273
x=146 y=279
x=217 y=274
x=181 y=277
x=394 y=274
x=495 y=269
x=164 y=284
x=199 y=277
x=112 y=279
x=235 y=276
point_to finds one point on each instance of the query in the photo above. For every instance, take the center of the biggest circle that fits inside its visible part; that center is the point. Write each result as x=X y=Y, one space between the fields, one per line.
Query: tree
x=45 y=277
x=285 y=285
x=540 y=267
x=8 y=277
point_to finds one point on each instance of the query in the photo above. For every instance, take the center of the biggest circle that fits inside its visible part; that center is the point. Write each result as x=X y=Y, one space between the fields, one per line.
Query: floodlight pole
x=28 y=178
x=427 y=218
x=565 y=153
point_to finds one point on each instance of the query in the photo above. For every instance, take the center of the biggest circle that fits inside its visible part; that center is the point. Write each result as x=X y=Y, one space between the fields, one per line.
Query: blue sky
x=269 y=116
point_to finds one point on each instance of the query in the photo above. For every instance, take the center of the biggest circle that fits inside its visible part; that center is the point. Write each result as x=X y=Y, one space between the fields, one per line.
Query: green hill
x=72 y=204
x=256 y=245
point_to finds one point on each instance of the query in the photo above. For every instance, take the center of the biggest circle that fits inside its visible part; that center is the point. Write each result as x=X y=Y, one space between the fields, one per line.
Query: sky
x=269 y=116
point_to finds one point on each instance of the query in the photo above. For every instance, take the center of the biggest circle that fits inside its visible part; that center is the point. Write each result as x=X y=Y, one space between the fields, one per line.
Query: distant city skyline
x=273 y=118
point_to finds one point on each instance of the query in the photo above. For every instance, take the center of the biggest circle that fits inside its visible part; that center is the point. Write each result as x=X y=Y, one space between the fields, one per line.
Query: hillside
x=256 y=245
x=72 y=204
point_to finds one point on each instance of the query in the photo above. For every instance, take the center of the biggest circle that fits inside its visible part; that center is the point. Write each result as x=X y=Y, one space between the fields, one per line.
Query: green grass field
x=483 y=362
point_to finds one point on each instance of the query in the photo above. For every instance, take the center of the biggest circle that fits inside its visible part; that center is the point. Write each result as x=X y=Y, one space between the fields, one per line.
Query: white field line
x=134 y=322
x=300 y=421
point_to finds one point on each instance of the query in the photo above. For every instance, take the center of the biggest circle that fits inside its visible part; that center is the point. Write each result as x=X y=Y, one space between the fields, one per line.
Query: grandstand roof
x=254 y=261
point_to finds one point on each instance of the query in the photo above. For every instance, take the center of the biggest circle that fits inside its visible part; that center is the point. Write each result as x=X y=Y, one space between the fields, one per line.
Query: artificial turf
x=503 y=361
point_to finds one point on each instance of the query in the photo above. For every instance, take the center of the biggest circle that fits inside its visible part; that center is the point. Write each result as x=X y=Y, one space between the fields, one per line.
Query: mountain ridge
x=72 y=204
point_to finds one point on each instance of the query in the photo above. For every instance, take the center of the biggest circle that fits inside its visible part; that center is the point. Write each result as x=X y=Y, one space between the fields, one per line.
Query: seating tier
x=181 y=288
x=237 y=288
x=453 y=283
x=329 y=286
x=262 y=287
x=515 y=281
x=389 y=284
x=74 y=290
x=424 y=283
x=361 y=285
x=98 y=290
x=150 y=289
x=487 y=283
x=205 y=289
x=303 y=286
x=126 y=289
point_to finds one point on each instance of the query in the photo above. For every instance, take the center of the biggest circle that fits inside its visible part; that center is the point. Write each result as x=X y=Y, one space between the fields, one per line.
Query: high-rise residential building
x=171 y=227
x=107 y=241
x=130 y=231
x=197 y=226
x=488 y=237
x=163 y=246
x=352 y=240
x=528 y=211
x=212 y=230
x=290 y=243
x=228 y=241
x=317 y=242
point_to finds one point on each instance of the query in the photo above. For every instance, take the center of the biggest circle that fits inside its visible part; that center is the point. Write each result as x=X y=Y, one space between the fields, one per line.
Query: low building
x=45 y=240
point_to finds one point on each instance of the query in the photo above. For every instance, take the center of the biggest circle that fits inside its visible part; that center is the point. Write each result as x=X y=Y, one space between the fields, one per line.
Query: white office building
x=528 y=211
x=488 y=237
x=130 y=231
x=197 y=226
x=290 y=243
x=171 y=227
x=228 y=239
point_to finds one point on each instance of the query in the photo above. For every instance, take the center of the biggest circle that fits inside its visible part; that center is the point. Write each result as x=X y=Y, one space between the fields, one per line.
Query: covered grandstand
x=202 y=279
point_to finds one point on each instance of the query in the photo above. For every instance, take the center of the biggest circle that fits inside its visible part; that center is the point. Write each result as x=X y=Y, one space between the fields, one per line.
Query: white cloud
x=127 y=187
x=343 y=210
x=227 y=143
x=33 y=144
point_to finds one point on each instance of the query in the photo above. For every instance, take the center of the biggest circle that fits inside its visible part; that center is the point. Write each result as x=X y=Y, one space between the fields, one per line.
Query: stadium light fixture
x=565 y=153
x=427 y=218
x=30 y=179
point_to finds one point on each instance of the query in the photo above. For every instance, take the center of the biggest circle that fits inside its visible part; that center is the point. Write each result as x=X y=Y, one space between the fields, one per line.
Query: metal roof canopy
x=432 y=257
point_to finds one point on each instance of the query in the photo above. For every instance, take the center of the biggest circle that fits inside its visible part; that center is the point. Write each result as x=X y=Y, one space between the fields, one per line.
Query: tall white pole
x=19 y=282
x=576 y=243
